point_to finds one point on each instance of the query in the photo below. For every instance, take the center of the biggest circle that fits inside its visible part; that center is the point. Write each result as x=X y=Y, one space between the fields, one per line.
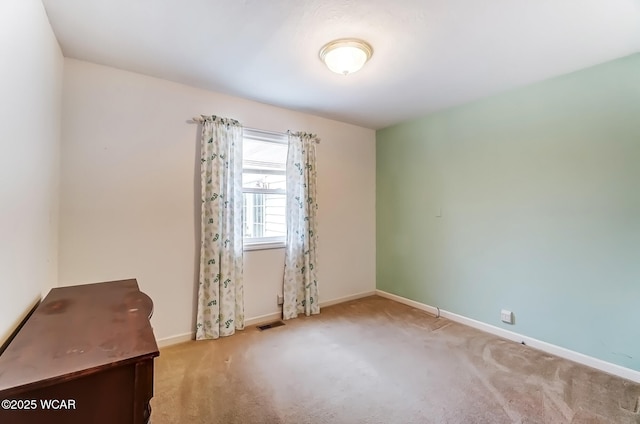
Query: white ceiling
x=428 y=54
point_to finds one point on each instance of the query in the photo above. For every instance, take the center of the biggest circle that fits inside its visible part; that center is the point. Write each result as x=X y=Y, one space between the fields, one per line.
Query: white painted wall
x=30 y=94
x=129 y=209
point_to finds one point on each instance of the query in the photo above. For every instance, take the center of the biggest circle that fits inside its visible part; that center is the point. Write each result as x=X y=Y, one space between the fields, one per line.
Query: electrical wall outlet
x=506 y=316
x=280 y=299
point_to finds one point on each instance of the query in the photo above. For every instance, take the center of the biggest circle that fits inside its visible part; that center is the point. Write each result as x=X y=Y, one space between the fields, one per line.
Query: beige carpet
x=376 y=361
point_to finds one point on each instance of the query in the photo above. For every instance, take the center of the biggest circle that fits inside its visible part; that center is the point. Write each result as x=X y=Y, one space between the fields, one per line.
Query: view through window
x=264 y=187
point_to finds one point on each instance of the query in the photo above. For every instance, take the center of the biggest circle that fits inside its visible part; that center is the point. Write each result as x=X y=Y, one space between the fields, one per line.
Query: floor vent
x=270 y=325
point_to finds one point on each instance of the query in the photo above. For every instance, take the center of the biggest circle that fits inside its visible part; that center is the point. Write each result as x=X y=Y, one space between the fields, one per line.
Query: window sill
x=264 y=246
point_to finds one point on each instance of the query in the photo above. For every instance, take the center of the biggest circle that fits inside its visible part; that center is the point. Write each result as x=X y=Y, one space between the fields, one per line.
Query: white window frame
x=262 y=243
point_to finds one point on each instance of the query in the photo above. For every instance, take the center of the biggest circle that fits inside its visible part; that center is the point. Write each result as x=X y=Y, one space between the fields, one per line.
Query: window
x=264 y=189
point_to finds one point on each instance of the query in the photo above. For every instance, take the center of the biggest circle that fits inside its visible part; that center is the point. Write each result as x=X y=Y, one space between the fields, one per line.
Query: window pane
x=264 y=165
x=263 y=155
x=264 y=215
x=267 y=181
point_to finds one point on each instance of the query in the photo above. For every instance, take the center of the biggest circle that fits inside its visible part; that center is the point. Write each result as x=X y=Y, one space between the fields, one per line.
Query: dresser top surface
x=79 y=330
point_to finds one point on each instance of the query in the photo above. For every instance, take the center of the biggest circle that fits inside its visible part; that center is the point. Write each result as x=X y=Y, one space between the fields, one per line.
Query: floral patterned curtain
x=301 y=267
x=220 y=292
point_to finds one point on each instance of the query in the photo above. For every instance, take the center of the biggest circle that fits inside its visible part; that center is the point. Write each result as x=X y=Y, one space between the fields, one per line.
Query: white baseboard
x=185 y=337
x=263 y=319
x=427 y=308
x=346 y=298
x=181 y=338
x=552 y=349
x=278 y=315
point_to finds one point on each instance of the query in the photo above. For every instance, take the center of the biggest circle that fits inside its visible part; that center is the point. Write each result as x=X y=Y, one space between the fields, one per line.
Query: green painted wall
x=539 y=190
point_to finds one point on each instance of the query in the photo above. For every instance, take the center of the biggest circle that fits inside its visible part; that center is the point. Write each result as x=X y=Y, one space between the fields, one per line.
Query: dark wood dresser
x=84 y=356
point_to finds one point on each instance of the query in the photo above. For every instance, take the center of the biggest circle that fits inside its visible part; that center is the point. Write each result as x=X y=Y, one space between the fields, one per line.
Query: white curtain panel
x=301 y=267
x=220 y=292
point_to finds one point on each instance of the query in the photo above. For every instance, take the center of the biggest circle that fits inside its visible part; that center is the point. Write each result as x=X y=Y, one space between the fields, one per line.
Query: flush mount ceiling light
x=345 y=56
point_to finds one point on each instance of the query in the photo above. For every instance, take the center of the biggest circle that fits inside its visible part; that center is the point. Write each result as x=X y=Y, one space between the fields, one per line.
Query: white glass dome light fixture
x=346 y=55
